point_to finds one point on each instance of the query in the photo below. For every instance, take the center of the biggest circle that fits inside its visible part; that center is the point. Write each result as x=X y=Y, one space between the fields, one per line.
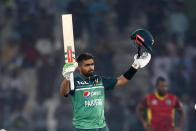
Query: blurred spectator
x=98 y=10
x=10 y=64
x=44 y=25
x=44 y=46
x=48 y=6
x=63 y=115
x=10 y=56
x=39 y=115
x=26 y=6
x=162 y=65
x=178 y=22
x=26 y=21
x=19 y=122
x=16 y=100
x=46 y=77
x=123 y=11
x=30 y=54
x=180 y=73
x=156 y=16
x=45 y=69
x=7 y=25
x=80 y=14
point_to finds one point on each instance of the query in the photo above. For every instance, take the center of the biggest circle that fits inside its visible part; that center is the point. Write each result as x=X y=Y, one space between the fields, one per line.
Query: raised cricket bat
x=69 y=49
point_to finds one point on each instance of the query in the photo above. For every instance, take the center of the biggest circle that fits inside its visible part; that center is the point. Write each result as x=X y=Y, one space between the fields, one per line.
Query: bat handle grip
x=72 y=81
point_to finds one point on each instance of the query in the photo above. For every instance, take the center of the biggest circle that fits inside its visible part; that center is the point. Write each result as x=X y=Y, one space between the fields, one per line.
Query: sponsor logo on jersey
x=95 y=102
x=87 y=94
x=96 y=93
x=82 y=82
x=154 y=102
x=168 y=102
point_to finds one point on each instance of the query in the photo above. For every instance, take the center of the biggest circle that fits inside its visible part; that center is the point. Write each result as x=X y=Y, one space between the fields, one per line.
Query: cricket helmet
x=143 y=38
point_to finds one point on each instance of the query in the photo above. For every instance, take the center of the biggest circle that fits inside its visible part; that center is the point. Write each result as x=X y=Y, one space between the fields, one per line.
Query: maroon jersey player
x=160 y=107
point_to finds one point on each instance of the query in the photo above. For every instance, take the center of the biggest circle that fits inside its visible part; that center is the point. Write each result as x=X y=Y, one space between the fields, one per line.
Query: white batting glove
x=142 y=61
x=68 y=69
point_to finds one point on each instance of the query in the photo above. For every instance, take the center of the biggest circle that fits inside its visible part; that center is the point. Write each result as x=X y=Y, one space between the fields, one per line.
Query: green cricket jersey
x=88 y=101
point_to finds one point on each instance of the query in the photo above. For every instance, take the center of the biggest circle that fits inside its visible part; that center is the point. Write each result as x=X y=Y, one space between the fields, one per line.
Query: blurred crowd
x=32 y=57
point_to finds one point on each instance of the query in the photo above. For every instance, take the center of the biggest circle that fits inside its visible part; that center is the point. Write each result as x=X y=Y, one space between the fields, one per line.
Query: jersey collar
x=160 y=97
x=82 y=77
x=92 y=78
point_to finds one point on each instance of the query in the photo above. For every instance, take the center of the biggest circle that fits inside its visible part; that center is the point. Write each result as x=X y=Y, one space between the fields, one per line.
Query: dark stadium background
x=31 y=58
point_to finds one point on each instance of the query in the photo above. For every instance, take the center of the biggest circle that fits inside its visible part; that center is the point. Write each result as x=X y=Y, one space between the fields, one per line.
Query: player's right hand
x=68 y=69
x=147 y=126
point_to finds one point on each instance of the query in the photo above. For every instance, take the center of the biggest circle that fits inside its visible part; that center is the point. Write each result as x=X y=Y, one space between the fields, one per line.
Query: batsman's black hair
x=84 y=56
x=160 y=78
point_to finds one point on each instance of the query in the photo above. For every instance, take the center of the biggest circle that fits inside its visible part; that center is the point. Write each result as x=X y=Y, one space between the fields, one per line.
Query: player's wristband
x=130 y=73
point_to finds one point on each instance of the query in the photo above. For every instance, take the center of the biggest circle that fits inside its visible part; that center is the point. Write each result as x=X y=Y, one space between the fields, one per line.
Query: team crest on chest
x=168 y=102
x=96 y=80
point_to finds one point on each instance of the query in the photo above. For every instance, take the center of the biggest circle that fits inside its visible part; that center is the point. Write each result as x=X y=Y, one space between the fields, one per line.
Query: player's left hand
x=68 y=69
x=142 y=61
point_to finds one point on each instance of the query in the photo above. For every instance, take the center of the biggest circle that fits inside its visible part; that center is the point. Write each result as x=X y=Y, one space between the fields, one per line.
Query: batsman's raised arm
x=145 y=40
x=64 y=90
x=139 y=62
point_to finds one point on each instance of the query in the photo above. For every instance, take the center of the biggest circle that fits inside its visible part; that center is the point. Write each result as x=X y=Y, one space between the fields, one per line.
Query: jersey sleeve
x=144 y=101
x=109 y=82
x=178 y=103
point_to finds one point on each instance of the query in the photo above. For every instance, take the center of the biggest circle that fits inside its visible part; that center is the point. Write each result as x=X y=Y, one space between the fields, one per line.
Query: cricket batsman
x=88 y=97
x=160 y=108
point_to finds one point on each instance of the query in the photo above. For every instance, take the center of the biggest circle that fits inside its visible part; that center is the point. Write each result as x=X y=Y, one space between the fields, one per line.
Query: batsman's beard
x=88 y=74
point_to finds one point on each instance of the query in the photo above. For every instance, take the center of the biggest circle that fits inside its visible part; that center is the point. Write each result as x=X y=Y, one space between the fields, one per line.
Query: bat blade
x=68 y=38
